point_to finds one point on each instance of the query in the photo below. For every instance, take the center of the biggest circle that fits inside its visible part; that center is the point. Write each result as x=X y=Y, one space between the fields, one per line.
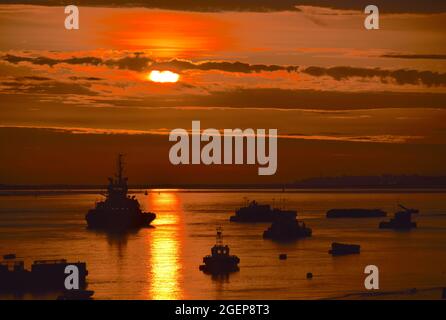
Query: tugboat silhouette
x=118 y=212
x=219 y=263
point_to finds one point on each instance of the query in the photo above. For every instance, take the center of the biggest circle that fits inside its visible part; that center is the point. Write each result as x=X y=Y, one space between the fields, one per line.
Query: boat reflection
x=118 y=241
x=165 y=243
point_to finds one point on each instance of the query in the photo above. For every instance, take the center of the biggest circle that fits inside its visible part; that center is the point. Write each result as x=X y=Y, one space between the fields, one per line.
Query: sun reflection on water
x=165 y=246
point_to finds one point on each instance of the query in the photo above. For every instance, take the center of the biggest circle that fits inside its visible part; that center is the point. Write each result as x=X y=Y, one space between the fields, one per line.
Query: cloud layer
x=141 y=63
x=401 y=76
x=137 y=62
x=426 y=6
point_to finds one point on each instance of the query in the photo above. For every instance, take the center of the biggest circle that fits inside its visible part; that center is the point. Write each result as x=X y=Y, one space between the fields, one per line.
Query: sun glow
x=163 y=76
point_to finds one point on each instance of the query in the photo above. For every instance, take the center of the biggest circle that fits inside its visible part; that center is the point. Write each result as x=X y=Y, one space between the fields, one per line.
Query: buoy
x=309 y=275
x=283 y=256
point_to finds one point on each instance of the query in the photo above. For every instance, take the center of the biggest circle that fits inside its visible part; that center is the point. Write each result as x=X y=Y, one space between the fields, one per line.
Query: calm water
x=162 y=262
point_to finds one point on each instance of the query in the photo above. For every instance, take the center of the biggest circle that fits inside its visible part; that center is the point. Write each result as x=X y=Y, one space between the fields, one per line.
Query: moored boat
x=338 y=249
x=44 y=276
x=287 y=228
x=355 y=213
x=401 y=221
x=220 y=261
x=255 y=212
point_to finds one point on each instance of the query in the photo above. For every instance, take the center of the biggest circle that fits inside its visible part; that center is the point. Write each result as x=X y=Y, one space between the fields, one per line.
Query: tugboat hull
x=115 y=220
x=220 y=266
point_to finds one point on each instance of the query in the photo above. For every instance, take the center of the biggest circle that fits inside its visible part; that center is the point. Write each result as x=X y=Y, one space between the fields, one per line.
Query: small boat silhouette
x=401 y=221
x=255 y=212
x=338 y=249
x=286 y=228
x=355 y=213
x=220 y=261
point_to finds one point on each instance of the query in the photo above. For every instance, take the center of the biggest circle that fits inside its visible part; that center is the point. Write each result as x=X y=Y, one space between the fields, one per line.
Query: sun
x=163 y=76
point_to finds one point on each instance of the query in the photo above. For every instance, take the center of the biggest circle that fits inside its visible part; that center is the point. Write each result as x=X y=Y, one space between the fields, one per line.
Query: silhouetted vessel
x=401 y=221
x=255 y=212
x=44 y=276
x=286 y=228
x=118 y=211
x=220 y=261
x=355 y=213
x=338 y=249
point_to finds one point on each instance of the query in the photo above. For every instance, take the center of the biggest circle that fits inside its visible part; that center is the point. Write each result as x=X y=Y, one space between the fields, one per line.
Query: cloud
x=184 y=5
x=426 y=6
x=42 y=85
x=241 y=67
x=41 y=60
x=32 y=78
x=164 y=132
x=401 y=76
x=75 y=78
x=275 y=98
x=415 y=56
x=385 y=6
x=241 y=98
x=138 y=62
x=84 y=130
x=386 y=138
x=135 y=62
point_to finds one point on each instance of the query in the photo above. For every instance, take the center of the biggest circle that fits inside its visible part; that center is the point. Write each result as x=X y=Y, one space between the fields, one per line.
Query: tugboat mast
x=120 y=168
x=219 y=236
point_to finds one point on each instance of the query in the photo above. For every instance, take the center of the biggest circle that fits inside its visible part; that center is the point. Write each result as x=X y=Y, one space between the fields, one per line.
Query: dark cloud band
x=141 y=63
x=416 y=56
x=386 y=6
x=401 y=76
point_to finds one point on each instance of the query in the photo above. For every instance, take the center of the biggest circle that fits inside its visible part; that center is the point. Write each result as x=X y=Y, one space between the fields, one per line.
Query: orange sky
x=345 y=100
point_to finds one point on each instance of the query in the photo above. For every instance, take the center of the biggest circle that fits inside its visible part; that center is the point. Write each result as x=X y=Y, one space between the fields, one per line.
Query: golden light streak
x=165 y=246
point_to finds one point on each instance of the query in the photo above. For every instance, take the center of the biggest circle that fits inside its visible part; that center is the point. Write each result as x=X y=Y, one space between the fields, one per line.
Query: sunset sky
x=345 y=100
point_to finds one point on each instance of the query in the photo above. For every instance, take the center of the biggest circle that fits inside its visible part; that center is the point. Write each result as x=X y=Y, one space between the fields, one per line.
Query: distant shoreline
x=101 y=189
x=383 y=182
